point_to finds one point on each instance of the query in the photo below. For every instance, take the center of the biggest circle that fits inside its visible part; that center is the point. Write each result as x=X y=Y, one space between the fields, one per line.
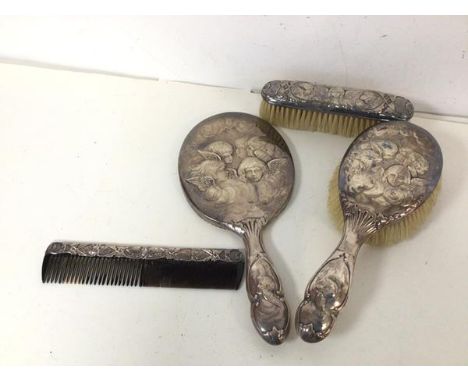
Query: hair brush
x=388 y=173
x=347 y=112
x=328 y=109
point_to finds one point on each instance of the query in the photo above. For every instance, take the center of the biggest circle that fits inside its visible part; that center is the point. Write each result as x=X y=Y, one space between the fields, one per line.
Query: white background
x=94 y=158
x=424 y=58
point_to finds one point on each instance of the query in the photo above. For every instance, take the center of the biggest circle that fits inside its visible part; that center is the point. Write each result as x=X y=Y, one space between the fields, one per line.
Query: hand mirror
x=237 y=173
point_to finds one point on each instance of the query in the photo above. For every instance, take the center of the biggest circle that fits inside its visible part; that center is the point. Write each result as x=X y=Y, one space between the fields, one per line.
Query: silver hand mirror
x=387 y=173
x=237 y=173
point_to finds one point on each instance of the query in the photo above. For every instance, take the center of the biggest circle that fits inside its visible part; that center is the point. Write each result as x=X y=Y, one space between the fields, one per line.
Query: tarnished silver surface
x=237 y=172
x=144 y=252
x=387 y=173
x=331 y=99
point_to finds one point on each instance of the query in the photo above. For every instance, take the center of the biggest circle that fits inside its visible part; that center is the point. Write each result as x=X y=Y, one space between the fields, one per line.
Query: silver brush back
x=341 y=100
x=111 y=264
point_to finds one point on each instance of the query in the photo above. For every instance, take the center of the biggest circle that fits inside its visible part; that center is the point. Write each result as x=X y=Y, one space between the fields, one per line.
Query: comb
x=111 y=264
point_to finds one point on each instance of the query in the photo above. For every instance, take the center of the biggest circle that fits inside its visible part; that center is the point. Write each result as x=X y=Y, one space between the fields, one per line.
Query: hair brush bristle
x=391 y=233
x=300 y=119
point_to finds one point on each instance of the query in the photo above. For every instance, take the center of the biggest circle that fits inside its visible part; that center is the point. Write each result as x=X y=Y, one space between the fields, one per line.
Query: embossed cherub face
x=260 y=148
x=227 y=193
x=388 y=169
x=369 y=100
x=252 y=169
x=307 y=91
x=397 y=175
x=336 y=94
x=223 y=149
x=213 y=169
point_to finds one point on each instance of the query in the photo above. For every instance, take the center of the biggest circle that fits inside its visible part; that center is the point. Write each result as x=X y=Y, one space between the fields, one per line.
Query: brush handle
x=269 y=311
x=327 y=292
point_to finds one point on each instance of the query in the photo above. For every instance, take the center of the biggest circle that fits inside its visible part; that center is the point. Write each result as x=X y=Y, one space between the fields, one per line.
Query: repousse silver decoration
x=332 y=99
x=387 y=173
x=237 y=173
x=144 y=252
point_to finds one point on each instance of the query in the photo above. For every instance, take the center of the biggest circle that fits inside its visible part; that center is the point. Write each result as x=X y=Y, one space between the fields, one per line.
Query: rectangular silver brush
x=112 y=264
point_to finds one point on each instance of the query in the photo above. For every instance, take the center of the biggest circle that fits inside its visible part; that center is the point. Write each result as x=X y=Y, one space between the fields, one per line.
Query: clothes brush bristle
x=291 y=118
x=391 y=233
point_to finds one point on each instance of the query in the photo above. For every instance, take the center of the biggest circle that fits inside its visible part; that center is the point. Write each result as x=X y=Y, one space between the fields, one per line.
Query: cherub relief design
x=383 y=174
x=328 y=98
x=237 y=172
x=244 y=181
x=218 y=150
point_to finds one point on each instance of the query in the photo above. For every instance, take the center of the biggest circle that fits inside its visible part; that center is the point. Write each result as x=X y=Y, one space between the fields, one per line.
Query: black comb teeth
x=110 y=264
x=75 y=269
